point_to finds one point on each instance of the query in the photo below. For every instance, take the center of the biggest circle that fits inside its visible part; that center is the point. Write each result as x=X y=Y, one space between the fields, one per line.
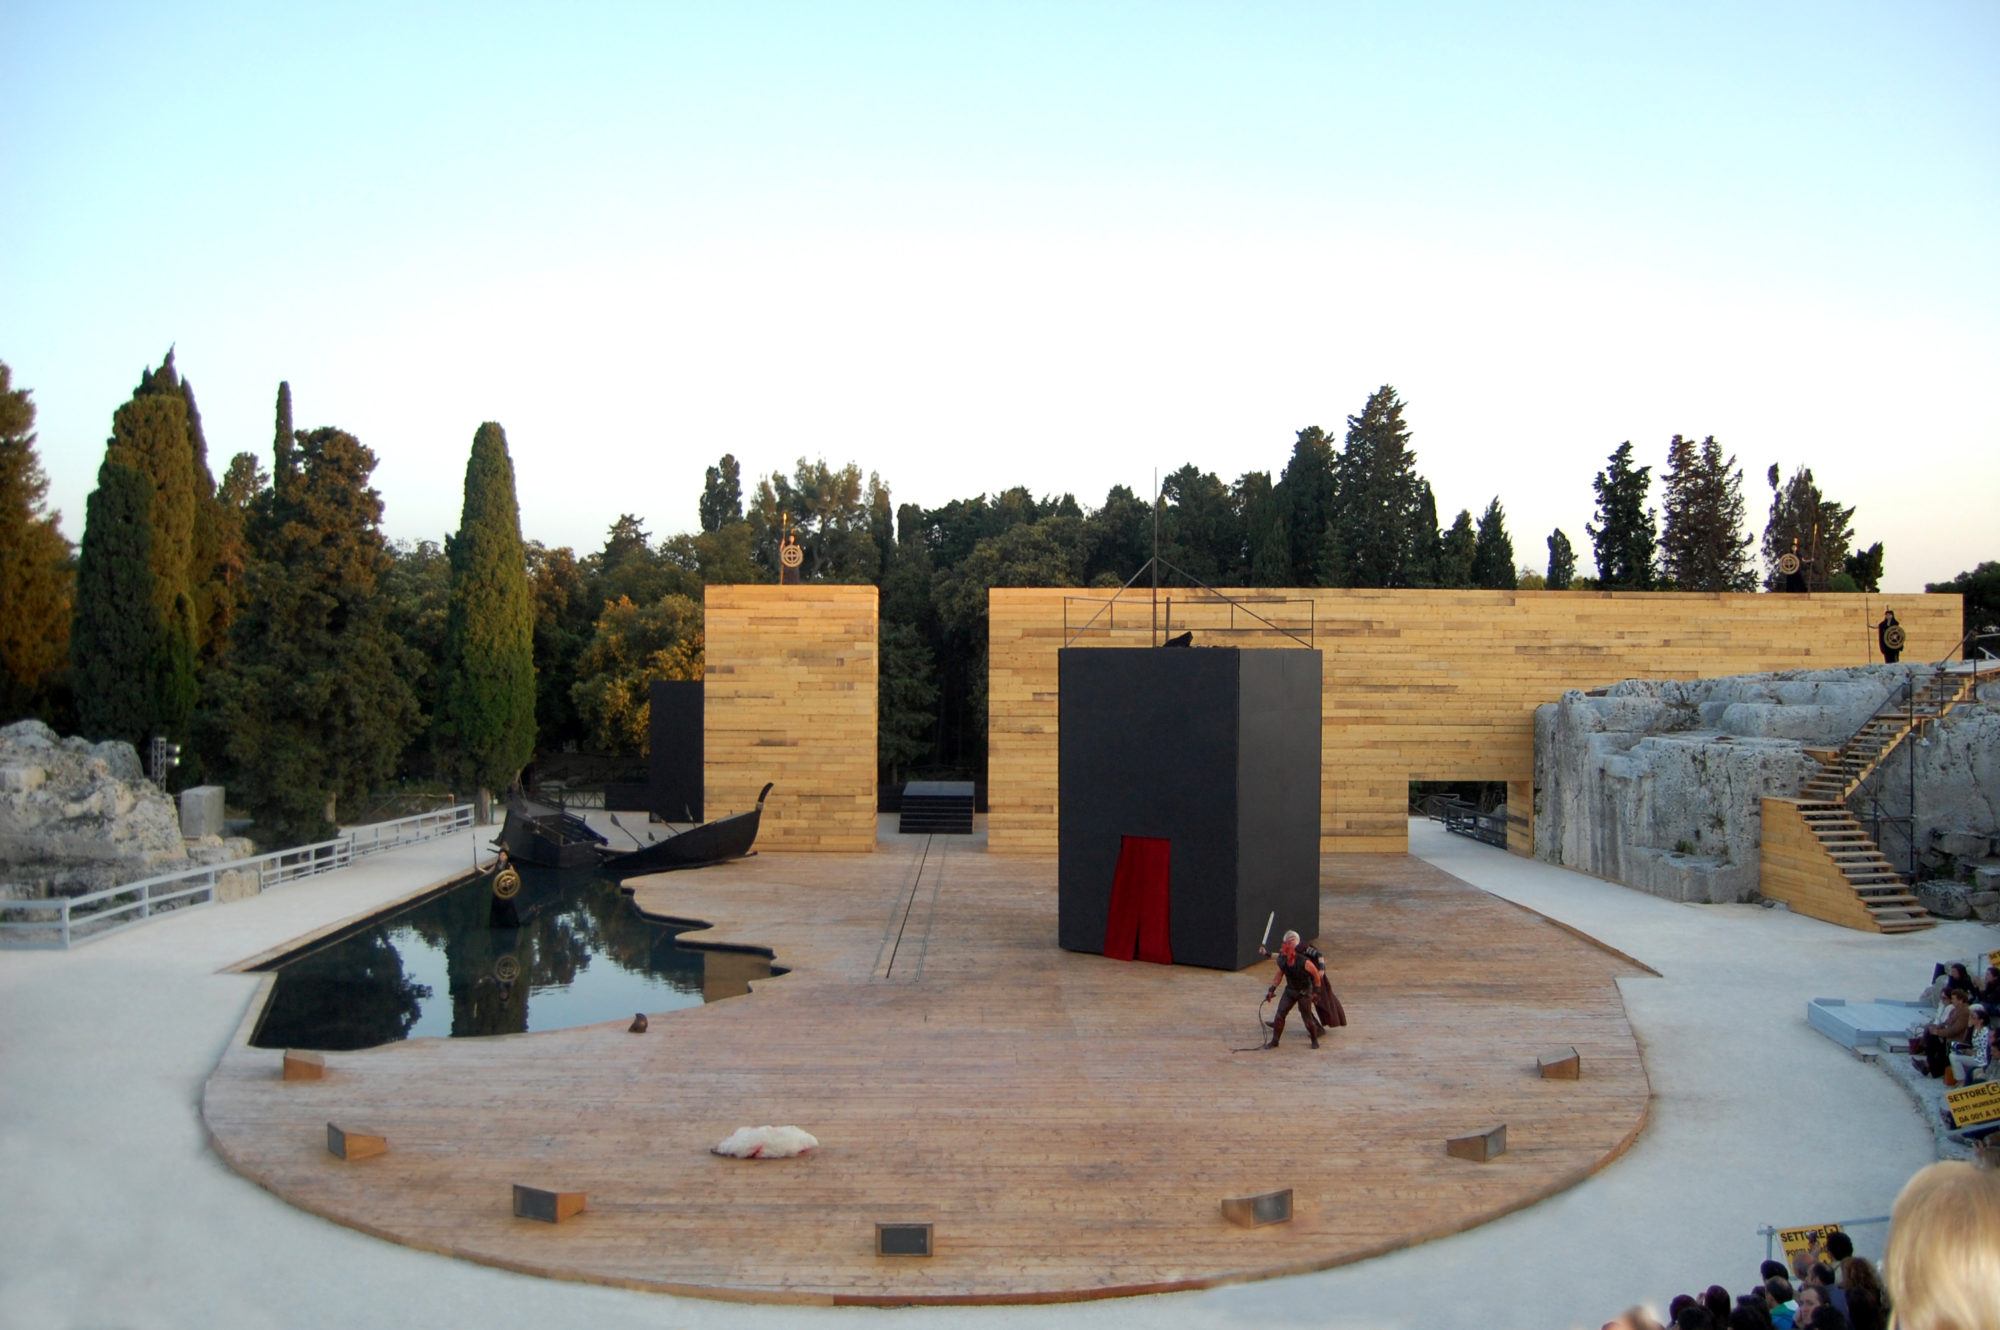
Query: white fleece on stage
x=766 y=1143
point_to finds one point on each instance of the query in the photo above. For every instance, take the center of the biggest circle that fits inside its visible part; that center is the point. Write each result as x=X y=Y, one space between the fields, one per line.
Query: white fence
x=69 y=920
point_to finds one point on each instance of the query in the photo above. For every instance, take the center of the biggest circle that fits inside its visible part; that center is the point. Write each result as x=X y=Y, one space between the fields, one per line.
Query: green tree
x=1420 y=562
x=37 y=574
x=1201 y=532
x=1375 y=494
x=1702 y=544
x=1864 y=568
x=415 y=593
x=1308 y=491
x=1624 y=534
x=1493 y=551
x=830 y=511
x=632 y=646
x=1118 y=538
x=312 y=698
x=1980 y=590
x=1804 y=519
x=1456 y=550
x=1562 y=561
x=486 y=693
x=117 y=643
x=150 y=435
x=557 y=587
x=722 y=495
x=215 y=595
x=1267 y=555
x=906 y=700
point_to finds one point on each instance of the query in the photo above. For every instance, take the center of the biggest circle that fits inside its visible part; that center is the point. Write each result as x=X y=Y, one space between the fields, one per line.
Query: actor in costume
x=1891 y=641
x=1301 y=979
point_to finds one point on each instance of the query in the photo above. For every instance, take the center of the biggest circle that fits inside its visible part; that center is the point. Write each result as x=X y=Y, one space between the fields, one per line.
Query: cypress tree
x=1456 y=552
x=1493 y=551
x=1562 y=561
x=149 y=434
x=36 y=576
x=1376 y=487
x=312 y=700
x=1823 y=529
x=1306 y=492
x=486 y=693
x=116 y=639
x=1624 y=533
x=1420 y=562
x=281 y=443
x=1702 y=545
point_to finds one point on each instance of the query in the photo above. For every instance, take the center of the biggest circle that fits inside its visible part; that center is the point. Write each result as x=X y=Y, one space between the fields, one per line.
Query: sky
x=1063 y=245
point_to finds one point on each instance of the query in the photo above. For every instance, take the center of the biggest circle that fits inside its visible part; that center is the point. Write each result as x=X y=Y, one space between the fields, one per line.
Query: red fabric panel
x=1137 y=928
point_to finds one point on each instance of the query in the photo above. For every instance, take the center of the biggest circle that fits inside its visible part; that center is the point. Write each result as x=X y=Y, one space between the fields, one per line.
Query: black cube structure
x=1215 y=750
x=674 y=735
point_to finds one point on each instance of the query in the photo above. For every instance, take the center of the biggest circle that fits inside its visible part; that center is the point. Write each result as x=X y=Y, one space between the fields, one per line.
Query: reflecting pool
x=569 y=949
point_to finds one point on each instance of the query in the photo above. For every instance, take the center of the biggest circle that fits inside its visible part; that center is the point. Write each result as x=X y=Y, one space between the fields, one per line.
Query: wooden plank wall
x=1795 y=868
x=1426 y=685
x=790 y=698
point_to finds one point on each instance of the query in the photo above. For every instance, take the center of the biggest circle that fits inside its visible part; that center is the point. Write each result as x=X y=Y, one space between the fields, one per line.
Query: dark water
x=569 y=949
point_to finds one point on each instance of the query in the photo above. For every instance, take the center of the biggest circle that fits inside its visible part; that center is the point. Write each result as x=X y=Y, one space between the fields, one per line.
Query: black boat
x=547 y=837
x=710 y=843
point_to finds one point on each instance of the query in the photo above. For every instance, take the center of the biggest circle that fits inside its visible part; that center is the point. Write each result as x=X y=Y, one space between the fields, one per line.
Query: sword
x=1267 y=930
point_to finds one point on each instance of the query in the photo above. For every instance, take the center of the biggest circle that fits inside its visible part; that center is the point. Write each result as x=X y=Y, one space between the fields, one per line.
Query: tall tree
x=1625 y=533
x=556 y=582
x=1979 y=590
x=1821 y=528
x=1420 y=564
x=1267 y=557
x=1493 y=551
x=312 y=696
x=722 y=495
x=117 y=642
x=1307 y=491
x=1376 y=495
x=906 y=700
x=36 y=573
x=829 y=510
x=1562 y=561
x=1864 y=568
x=486 y=693
x=1201 y=532
x=1702 y=543
x=1457 y=549
x=213 y=594
x=633 y=646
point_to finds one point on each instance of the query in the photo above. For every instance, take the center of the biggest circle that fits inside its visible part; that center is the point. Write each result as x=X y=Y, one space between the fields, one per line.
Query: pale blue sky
x=1054 y=245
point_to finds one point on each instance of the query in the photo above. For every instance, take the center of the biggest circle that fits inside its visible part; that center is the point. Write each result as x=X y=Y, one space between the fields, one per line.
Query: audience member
x=1933 y=1056
x=1958 y=980
x=1694 y=1316
x=1973 y=1060
x=1826 y=1317
x=1674 y=1308
x=1989 y=992
x=1784 y=1309
x=1839 y=1247
x=1750 y=1313
x=1718 y=1304
x=1867 y=1308
x=1943 y=1259
x=1822 y=1274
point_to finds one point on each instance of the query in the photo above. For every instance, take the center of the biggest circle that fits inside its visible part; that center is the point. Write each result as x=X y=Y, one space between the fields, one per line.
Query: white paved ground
x=115 y=1213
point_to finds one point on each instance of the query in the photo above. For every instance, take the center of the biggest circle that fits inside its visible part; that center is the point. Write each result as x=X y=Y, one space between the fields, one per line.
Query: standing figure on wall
x=1301 y=979
x=1794 y=568
x=1891 y=636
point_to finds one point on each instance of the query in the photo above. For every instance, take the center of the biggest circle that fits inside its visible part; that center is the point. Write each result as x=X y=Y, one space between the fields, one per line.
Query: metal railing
x=66 y=921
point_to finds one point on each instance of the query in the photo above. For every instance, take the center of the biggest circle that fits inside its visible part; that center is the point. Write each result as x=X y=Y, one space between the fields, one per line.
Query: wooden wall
x=1793 y=867
x=790 y=673
x=1422 y=685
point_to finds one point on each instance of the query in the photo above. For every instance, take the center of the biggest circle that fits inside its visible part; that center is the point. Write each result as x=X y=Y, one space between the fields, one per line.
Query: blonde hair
x=1943 y=1258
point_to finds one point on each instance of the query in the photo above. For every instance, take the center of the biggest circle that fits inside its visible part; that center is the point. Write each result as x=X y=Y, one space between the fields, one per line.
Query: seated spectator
x=1867 y=1308
x=1973 y=1060
x=1784 y=1308
x=1989 y=992
x=1957 y=979
x=1839 y=1247
x=1934 y=1056
x=1943 y=1259
x=1822 y=1275
x=1718 y=1304
x=1826 y=1317
x=1750 y=1313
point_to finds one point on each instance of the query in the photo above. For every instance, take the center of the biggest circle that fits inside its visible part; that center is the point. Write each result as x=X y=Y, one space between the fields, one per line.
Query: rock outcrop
x=76 y=817
x=1657 y=783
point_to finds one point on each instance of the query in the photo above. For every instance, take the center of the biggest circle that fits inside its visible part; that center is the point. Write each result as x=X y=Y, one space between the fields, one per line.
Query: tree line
x=264 y=622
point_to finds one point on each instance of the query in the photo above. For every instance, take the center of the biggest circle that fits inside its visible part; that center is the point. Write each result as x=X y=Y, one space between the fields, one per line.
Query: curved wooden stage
x=1069 y=1124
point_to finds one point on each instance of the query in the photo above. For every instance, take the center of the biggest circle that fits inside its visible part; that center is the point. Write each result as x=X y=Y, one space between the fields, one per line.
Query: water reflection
x=569 y=949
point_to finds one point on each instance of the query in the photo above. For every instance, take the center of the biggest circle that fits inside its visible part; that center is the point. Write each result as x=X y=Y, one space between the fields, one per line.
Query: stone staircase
x=1843 y=769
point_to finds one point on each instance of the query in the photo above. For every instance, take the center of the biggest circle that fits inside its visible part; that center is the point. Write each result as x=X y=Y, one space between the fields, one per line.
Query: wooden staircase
x=1816 y=857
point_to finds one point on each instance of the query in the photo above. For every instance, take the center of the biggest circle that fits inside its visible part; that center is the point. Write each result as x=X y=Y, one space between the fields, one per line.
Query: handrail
x=66 y=922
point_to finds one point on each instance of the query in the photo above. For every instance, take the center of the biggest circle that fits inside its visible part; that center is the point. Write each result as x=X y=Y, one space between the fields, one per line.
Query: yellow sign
x=1812 y=1239
x=1974 y=1104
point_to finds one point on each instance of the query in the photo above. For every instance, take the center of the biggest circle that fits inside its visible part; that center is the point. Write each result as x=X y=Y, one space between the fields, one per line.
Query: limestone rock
x=1658 y=783
x=201 y=811
x=1946 y=900
x=76 y=816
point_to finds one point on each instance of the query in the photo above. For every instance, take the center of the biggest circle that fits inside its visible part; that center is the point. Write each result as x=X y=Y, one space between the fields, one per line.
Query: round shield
x=506 y=883
x=1893 y=637
x=1788 y=563
x=506 y=969
x=791 y=555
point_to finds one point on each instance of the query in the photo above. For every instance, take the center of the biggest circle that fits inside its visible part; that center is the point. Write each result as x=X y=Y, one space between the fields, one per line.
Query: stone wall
x=1658 y=784
x=76 y=817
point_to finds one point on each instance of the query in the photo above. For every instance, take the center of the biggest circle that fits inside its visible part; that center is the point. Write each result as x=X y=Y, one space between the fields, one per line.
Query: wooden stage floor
x=1069 y=1124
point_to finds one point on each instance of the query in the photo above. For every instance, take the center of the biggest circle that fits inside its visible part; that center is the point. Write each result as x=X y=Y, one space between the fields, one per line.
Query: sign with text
x=1974 y=1104
x=1811 y=1239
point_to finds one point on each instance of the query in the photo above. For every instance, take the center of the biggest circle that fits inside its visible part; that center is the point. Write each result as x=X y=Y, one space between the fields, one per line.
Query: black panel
x=1147 y=747
x=1278 y=783
x=1218 y=751
x=674 y=768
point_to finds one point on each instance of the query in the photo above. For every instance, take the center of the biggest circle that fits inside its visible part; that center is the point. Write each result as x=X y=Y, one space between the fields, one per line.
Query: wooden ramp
x=1069 y=1124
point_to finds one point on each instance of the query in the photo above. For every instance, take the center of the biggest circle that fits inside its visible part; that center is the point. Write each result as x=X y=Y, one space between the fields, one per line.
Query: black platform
x=937 y=807
x=1216 y=750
